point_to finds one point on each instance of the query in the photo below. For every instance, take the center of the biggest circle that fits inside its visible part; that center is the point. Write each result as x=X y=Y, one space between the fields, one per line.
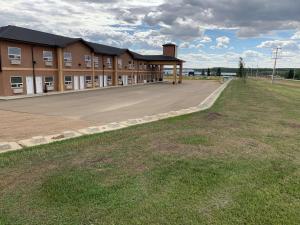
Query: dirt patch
x=294 y=125
x=213 y=116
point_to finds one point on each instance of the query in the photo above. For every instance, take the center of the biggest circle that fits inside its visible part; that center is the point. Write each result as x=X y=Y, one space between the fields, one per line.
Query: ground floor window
x=68 y=80
x=109 y=81
x=16 y=82
x=49 y=81
x=88 y=81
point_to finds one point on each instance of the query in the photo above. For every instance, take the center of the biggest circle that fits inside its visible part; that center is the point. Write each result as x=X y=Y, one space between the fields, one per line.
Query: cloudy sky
x=208 y=32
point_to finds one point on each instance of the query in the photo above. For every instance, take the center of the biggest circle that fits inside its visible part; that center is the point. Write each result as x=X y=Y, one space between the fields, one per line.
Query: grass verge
x=237 y=163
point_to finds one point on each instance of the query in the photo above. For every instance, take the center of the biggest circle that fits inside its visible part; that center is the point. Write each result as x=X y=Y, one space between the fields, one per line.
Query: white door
x=81 y=84
x=105 y=80
x=135 y=79
x=125 y=80
x=29 y=85
x=76 y=83
x=39 y=84
x=101 y=81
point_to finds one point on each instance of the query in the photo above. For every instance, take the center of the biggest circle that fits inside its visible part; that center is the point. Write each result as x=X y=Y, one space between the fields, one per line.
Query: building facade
x=34 y=62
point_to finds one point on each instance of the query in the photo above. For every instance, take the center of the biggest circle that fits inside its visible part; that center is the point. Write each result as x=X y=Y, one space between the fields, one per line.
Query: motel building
x=34 y=62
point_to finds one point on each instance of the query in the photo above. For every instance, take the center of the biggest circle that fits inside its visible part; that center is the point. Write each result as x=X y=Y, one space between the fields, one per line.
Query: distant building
x=36 y=62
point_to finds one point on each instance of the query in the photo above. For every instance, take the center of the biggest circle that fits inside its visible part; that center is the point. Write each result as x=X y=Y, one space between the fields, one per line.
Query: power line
x=275 y=62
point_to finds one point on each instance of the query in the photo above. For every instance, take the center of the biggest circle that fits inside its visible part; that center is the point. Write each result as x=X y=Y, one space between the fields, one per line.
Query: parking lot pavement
x=24 y=118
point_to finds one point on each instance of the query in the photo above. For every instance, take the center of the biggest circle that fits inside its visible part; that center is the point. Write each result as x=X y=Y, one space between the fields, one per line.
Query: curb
x=41 y=140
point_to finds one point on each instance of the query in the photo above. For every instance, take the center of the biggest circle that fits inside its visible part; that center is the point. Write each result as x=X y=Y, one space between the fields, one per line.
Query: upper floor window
x=68 y=58
x=14 y=54
x=108 y=61
x=120 y=62
x=96 y=62
x=88 y=60
x=47 y=56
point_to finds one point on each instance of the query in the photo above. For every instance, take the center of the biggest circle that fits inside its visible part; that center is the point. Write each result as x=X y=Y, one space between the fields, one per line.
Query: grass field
x=237 y=163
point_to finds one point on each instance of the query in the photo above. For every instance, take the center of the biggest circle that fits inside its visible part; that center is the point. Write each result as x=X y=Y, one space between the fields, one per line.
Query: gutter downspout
x=33 y=70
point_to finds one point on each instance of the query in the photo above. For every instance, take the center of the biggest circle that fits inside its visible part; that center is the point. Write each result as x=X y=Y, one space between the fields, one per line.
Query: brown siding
x=78 y=51
x=170 y=50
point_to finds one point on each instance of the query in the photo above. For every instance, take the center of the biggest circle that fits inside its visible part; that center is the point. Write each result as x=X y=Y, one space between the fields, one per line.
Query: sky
x=209 y=33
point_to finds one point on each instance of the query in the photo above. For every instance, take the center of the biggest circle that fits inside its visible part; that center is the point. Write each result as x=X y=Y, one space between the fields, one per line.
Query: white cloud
x=222 y=42
x=296 y=36
x=284 y=44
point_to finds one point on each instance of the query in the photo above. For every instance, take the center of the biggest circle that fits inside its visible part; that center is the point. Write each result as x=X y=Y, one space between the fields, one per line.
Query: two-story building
x=34 y=62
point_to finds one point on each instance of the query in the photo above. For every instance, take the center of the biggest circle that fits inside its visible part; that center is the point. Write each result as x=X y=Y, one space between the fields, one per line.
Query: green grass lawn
x=237 y=163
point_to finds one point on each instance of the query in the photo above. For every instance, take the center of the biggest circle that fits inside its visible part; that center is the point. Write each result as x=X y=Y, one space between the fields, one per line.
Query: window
x=88 y=79
x=49 y=81
x=96 y=62
x=67 y=56
x=47 y=56
x=16 y=82
x=68 y=80
x=120 y=63
x=14 y=53
x=108 y=61
x=87 y=58
x=145 y=66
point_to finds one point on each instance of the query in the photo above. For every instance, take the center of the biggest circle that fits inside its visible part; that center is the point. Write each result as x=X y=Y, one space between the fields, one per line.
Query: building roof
x=24 y=35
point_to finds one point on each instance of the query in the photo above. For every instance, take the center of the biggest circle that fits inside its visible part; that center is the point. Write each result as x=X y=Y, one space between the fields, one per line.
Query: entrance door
x=29 y=85
x=81 y=84
x=125 y=80
x=105 y=80
x=76 y=83
x=39 y=84
x=101 y=81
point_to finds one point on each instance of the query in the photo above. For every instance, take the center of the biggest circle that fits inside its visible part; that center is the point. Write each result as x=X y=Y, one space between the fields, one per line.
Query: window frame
x=68 y=59
x=96 y=61
x=47 y=59
x=49 y=83
x=109 y=62
x=88 y=81
x=18 y=85
x=68 y=82
x=15 y=58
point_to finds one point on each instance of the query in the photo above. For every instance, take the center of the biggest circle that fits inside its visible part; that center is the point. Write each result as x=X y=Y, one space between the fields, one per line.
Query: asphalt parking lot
x=24 y=118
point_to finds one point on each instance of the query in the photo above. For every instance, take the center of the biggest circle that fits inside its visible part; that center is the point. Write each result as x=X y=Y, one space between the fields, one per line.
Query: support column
x=174 y=74
x=60 y=69
x=180 y=73
x=115 y=71
x=93 y=69
x=162 y=72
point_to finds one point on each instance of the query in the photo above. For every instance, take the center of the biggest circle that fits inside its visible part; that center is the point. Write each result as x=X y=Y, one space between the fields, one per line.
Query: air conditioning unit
x=15 y=61
x=48 y=63
x=50 y=88
x=109 y=66
x=18 y=90
x=89 y=85
x=68 y=64
x=88 y=64
x=69 y=86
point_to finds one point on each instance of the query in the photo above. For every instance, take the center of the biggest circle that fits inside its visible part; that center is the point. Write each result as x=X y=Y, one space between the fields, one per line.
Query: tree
x=241 y=73
x=208 y=72
x=203 y=72
x=219 y=73
x=290 y=74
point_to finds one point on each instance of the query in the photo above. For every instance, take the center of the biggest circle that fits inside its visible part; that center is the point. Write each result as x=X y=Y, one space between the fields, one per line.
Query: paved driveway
x=24 y=118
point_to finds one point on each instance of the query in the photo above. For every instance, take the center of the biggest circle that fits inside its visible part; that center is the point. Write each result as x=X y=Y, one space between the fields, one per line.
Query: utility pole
x=275 y=63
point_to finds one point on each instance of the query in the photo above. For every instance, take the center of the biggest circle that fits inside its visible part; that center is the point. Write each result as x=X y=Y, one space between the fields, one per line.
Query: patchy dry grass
x=237 y=163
